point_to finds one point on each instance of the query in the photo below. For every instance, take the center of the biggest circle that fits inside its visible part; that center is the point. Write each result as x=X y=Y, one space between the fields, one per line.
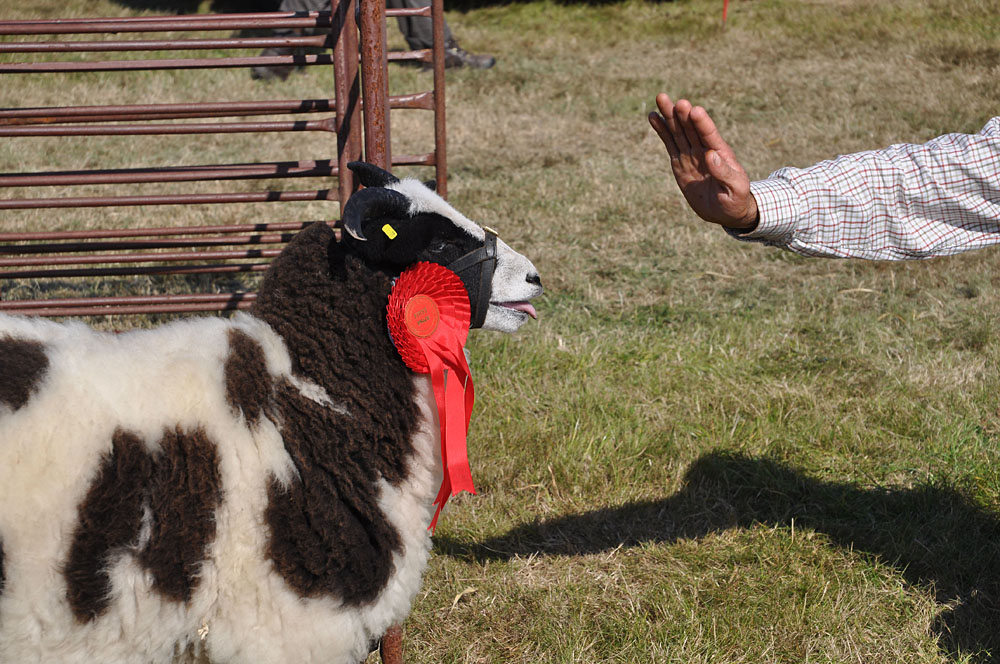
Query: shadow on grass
x=934 y=535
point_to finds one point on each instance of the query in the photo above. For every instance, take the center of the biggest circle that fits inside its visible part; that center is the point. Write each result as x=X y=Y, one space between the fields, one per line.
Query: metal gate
x=51 y=268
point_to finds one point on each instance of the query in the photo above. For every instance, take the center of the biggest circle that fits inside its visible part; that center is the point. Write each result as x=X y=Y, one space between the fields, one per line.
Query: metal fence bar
x=167 y=23
x=265 y=170
x=440 y=162
x=348 y=88
x=170 y=63
x=163 y=111
x=171 y=129
x=16 y=122
x=373 y=72
x=168 y=199
x=179 y=243
x=408 y=11
x=48 y=236
x=76 y=302
x=134 y=271
x=304 y=60
x=160 y=257
x=427 y=159
x=318 y=41
x=261 y=171
x=242 y=16
x=232 y=304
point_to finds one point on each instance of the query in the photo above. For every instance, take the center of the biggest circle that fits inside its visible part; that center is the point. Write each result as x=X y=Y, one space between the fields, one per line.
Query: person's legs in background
x=417 y=30
x=419 y=33
x=265 y=72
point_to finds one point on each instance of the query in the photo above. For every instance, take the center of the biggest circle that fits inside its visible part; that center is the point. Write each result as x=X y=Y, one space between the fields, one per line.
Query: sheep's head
x=394 y=223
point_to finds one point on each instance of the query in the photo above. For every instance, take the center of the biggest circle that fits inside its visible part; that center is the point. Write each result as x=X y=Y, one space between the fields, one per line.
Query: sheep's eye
x=437 y=246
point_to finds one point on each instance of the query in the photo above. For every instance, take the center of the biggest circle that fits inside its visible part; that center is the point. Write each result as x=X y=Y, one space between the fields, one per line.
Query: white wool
x=241 y=609
x=423 y=199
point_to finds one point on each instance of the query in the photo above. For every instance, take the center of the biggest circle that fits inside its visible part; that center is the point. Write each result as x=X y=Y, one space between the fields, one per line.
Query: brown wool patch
x=22 y=366
x=181 y=487
x=327 y=534
x=183 y=494
x=329 y=308
x=109 y=519
x=248 y=384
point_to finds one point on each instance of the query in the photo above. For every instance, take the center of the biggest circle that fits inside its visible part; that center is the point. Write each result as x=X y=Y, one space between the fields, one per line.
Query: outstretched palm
x=711 y=179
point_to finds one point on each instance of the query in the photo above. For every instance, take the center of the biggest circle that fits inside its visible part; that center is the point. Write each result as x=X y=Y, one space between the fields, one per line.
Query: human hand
x=712 y=180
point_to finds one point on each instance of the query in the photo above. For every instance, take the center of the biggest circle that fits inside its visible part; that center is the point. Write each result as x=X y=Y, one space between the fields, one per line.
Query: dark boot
x=455 y=56
x=268 y=72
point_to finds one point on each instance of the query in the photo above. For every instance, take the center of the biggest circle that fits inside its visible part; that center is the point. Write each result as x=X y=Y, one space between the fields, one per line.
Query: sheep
x=247 y=489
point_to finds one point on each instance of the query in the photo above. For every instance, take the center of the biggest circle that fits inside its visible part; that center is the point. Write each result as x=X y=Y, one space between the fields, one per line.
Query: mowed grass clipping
x=703 y=450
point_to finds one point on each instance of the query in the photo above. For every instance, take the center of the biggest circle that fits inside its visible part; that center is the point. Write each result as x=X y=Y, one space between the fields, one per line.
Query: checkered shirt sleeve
x=907 y=201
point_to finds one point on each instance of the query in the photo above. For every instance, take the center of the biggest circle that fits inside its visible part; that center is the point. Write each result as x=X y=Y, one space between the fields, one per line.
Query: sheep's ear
x=371 y=175
x=431 y=184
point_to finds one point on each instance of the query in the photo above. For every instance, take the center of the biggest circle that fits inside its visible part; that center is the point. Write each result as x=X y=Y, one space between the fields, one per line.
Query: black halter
x=486 y=258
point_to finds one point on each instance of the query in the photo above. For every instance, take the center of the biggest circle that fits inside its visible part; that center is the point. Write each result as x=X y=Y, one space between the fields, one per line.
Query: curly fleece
x=177 y=488
x=328 y=534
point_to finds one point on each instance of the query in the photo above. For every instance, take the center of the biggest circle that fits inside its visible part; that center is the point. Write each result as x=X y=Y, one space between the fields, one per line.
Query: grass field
x=703 y=451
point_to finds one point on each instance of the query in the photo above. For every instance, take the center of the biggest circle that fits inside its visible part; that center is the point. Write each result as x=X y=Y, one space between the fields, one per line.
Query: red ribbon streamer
x=428 y=316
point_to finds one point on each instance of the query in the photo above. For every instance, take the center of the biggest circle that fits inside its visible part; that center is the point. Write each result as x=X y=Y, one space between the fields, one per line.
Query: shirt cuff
x=777 y=206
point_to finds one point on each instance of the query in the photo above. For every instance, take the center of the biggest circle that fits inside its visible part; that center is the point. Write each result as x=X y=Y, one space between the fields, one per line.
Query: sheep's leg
x=391 y=647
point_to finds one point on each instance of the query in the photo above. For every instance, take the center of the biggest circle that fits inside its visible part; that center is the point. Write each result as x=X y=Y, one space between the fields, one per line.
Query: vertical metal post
x=440 y=160
x=375 y=83
x=347 y=86
x=391 y=646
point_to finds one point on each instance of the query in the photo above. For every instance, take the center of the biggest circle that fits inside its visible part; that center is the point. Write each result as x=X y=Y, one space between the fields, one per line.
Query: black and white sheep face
x=401 y=222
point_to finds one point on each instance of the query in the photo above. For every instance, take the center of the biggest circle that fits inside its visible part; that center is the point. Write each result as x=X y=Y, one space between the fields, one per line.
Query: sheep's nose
x=534 y=279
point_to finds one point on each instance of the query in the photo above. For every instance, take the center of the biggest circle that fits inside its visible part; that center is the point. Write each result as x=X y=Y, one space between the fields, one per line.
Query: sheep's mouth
x=522 y=307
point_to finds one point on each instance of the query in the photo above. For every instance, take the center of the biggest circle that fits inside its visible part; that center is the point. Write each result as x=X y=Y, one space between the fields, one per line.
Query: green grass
x=703 y=451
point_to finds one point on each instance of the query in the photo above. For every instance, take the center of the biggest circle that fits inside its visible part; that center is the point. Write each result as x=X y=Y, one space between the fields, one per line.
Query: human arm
x=907 y=201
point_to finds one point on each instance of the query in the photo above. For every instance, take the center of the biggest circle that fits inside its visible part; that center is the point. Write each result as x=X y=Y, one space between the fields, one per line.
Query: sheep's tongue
x=522 y=306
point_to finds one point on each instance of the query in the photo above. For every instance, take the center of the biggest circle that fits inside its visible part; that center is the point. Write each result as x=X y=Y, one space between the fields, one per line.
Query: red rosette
x=428 y=301
x=428 y=317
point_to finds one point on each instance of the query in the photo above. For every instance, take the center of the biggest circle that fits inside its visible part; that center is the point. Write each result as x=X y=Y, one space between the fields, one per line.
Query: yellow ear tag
x=389 y=231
